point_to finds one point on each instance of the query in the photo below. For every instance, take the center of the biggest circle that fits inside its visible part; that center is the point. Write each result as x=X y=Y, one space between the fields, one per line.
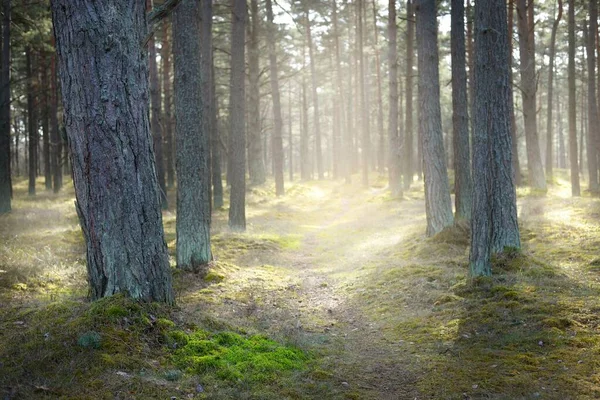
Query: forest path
x=310 y=292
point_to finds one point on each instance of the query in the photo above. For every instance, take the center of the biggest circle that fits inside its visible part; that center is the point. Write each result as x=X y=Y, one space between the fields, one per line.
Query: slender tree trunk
x=340 y=141
x=193 y=151
x=291 y=136
x=155 y=113
x=304 y=155
x=513 y=120
x=32 y=122
x=528 y=90
x=313 y=74
x=215 y=146
x=113 y=164
x=575 y=186
x=277 y=140
x=592 y=134
x=364 y=108
x=395 y=160
x=5 y=178
x=410 y=56
x=549 y=120
x=45 y=89
x=256 y=165
x=562 y=152
x=237 y=133
x=438 y=204
x=381 y=146
x=494 y=217
x=460 y=119
x=168 y=116
x=55 y=139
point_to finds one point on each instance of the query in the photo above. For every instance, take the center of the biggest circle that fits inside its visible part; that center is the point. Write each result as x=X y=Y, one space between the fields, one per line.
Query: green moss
x=213 y=277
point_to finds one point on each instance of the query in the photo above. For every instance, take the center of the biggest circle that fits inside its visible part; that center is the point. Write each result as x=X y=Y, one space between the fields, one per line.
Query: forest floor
x=355 y=301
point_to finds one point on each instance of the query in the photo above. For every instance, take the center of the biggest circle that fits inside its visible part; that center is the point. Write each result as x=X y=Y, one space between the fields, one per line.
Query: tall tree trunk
x=549 y=120
x=5 y=178
x=313 y=75
x=410 y=57
x=438 y=204
x=513 y=120
x=592 y=134
x=256 y=165
x=105 y=97
x=291 y=136
x=32 y=122
x=460 y=119
x=395 y=160
x=55 y=139
x=381 y=147
x=45 y=89
x=168 y=116
x=528 y=90
x=193 y=151
x=155 y=122
x=237 y=133
x=494 y=217
x=562 y=152
x=574 y=165
x=364 y=108
x=304 y=154
x=215 y=145
x=277 y=140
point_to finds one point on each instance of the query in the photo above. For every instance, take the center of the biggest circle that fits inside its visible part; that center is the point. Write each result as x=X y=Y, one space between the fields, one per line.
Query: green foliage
x=91 y=339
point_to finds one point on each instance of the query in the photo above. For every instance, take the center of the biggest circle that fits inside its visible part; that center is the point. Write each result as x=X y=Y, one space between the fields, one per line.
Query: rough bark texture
x=256 y=165
x=513 y=120
x=460 y=119
x=494 y=217
x=155 y=122
x=277 y=140
x=315 y=96
x=167 y=116
x=592 y=132
x=31 y=122
x=104 y=76
x=192 y=158
x=5 y=178
x=408 y=134
x=438 y=204
x=549 y=120
x=535 y=169
x=237 y=133
x=395 y=159
x=573 y=161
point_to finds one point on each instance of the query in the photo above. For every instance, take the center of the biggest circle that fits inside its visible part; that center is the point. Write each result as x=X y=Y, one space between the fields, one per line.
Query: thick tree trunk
x=193 y=152
x=277 y=140
x=438 y=204
x=513 y=120
x=494 y=217
x=315 y=96
x=535 y=169
x=167 y=116
x=573 y=160
x=592 y=133
x=460 y=119
x=155 y=122
x=395 y=160
x=5 y=178
x=237 y=133
x=256 y=165
x=549 y=120
x=409 y=125
x=104 y=76
x=32 y=121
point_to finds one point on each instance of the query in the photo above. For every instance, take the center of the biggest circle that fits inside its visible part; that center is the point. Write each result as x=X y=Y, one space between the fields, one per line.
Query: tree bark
x=215 y=147
x=364 y=109
x=536 y=176
x=304 y=154
x=5 y=170
x=549 y=120
x=409 y=125
x=573 y=160
x=315 y=96
x=460 y=119
x=513 y=120
x=395 y=159
x=237 y=134
x=45 y=89
x=277 y=140
x=381 y=147
x=494 y=224
x=167 y=109
x=438 y=204
x=256 y=165
x=55 y=139
x=193 y=152
x=32 y=121
x=592 y=133
x=104 y=76
x=155 y=122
